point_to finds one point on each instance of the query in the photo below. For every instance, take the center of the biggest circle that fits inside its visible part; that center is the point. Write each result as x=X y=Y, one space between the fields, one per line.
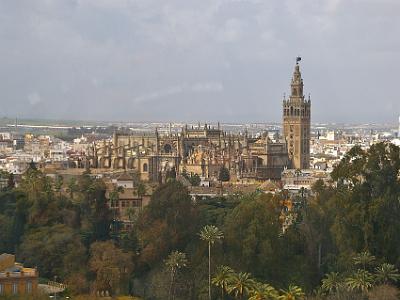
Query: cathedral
x=204 y=150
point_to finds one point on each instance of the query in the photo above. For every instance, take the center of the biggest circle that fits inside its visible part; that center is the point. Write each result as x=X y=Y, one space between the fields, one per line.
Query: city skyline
x=199 y=149
x=212 y=61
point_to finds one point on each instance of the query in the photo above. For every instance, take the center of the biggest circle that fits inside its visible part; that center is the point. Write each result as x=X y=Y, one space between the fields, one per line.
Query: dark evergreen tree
x=224 y=174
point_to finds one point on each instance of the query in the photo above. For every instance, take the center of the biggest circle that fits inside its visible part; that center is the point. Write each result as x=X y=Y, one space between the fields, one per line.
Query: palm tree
x=263 y=291
x=240 y=284
x=72 y=187
x=332 y=282
x=114 y=195
x=210 y=234
x=131 y=213
x=361 y=280
x=292 y=293
x=58 y=183
x=175 y=261
x=114 y=199
x=386 y=273
x=364 y=259
x=222 y=278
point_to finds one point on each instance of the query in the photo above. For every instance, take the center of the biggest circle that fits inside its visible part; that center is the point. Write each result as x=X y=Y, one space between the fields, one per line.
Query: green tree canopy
x=168 y=222
x=55 y=250
x=366 y=202
x=112 y=267
x=252 y=235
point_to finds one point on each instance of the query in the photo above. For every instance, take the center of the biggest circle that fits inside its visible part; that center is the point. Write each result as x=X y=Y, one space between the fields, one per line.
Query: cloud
x=96 y=58
x=232 y=31
x=332 y=5
x=34 y=99
x=174 y=90
x=207 y=87
x=200 y=87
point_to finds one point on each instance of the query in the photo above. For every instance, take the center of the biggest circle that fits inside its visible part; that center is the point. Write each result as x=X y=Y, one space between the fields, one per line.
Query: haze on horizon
x=209 y=60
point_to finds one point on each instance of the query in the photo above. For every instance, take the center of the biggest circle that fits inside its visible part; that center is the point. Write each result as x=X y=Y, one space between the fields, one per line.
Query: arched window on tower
x=167 y=148
x=145 y=167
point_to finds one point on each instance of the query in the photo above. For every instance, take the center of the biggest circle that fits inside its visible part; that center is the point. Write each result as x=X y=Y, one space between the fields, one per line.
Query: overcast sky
x=198 y=60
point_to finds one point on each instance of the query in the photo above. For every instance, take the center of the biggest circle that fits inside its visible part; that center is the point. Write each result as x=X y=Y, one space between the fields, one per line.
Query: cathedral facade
x=204 y=150
x=201 y=150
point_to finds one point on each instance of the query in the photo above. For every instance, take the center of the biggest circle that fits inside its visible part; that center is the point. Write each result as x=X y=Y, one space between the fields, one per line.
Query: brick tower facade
x=296 y=122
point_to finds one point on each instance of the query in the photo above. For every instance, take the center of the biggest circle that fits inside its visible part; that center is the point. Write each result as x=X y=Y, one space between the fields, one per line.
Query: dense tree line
x=343 y=242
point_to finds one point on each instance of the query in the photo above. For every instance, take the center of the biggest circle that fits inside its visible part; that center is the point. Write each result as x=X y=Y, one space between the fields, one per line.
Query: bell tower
x=297 y=121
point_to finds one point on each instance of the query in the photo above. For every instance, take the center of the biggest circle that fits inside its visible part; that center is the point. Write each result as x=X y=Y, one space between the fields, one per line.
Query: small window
x=29 y=287
x=145 y=167
x=1 y=289
x=167 y=148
